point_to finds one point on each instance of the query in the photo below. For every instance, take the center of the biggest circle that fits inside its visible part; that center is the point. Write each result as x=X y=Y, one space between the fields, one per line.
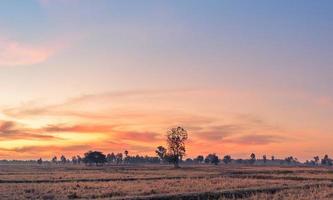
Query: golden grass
x=70 y=181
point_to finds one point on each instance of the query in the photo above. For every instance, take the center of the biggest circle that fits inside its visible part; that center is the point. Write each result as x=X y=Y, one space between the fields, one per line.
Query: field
x=163 y=182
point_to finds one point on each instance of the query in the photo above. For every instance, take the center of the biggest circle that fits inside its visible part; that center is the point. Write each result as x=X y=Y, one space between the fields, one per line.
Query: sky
x=239 y=76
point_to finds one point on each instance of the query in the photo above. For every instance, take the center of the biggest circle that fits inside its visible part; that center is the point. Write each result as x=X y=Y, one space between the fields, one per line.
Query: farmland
x=68 y=181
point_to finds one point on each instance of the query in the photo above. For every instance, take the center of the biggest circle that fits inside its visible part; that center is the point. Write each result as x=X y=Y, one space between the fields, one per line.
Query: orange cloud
x=10 y=130
x=79 y=128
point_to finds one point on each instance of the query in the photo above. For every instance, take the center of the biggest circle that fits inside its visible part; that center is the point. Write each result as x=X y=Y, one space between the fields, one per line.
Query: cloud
x=139 y=136
x=34 y=149
x=219 y=132
x=109 y=129
x=69 y=107
x=14 y=53
x=255 y=139
x=10 y=130
x=80 y=128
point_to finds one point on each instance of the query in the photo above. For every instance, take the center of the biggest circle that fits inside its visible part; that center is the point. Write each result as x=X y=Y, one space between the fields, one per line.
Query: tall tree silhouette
x=176 y=138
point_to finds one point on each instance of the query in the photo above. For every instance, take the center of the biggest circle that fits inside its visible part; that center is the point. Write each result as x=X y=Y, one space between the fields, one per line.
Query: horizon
x=240 y=77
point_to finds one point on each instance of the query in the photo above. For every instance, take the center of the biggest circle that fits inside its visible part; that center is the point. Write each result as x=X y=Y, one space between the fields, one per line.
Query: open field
x=163 y=182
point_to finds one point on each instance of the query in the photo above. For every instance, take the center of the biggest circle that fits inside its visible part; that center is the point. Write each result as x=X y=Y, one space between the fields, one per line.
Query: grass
x=158 y=182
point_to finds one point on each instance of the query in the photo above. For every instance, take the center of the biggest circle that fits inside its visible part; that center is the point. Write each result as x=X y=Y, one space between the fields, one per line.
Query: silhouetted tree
x=63 y=159
x=40 y=161
x=326 y=161
x=199 y=159
x=189 y=161
x=252 y=158
x=227 y=159
x=264 y=158
x=74 y=160
x=126 y=156
x=290 y=160
x=161 y=153
x=176 y=138
x=94 y=157
x=79 y=159
x=110 y=158
x=119 y=158
x=212 y=159
x=316 y=160
x=54 y=159
x=273 y=158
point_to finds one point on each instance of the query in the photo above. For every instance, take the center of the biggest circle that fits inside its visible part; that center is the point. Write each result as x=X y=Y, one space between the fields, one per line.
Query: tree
x=126 y=156
x=199 y=159
x=40 y=161
x=176 y=138
x=326 y=161
x=212 y=159
x=74 y=160
x=161 y=153
x=63 y=159
x=95 y=157
x=290 y=160
x=273 y=158
x=252 y=158
x=119 y=158
x=110 y=158
x=79 y=159
x=54 y=159
x=316 y=160
x=264 y=158
x=227 y=159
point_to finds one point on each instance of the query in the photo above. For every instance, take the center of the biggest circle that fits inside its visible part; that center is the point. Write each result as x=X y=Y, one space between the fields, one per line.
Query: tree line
x=174 y=154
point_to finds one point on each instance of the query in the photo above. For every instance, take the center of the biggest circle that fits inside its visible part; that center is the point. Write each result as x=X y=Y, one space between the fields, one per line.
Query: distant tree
x=110 y=158
x=54 y=159
x=212 y=159
x=176 y=138
x=291 y=160
x=79 y=159
x=199 y=159
x=252 y=158
x=316 y=160
x=63 y=159
x=161 y=153
x=326 y=161
x=264 y=158
x=94 y=157
x=227 y=159
x=74 y=160
x=119 y=158
x=40 y=161
x=189 y=161
x=273 y=158
x=126 y=156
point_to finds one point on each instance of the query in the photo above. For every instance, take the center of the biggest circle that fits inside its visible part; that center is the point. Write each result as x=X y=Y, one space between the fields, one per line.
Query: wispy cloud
x=14 y=53
x=68 y=107
x=10 y=130
x=255 y=139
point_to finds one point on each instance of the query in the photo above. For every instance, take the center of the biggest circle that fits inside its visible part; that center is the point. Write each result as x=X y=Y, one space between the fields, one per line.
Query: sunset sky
x=240 y=76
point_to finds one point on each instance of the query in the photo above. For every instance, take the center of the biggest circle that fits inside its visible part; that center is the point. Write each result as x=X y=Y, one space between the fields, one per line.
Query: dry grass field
x=163 y=182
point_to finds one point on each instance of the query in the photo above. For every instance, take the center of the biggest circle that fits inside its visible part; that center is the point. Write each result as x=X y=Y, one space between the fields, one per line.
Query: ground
x=57 y=181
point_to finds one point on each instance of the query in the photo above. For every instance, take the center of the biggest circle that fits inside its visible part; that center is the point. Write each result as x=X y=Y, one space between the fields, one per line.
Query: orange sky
x=217 y=121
